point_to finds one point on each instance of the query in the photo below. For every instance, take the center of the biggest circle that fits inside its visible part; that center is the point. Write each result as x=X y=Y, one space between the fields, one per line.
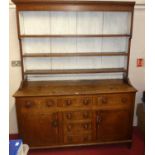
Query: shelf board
x=72 y=35
x=75 y=71
x=75 y=54
x=72 y=5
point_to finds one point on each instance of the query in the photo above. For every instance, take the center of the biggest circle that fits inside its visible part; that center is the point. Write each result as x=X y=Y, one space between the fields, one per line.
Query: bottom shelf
x=75 y=71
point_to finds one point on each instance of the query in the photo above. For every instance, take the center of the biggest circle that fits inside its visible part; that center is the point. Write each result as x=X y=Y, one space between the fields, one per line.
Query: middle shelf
x=75 y=54
x=71 y=35
x=75 y=71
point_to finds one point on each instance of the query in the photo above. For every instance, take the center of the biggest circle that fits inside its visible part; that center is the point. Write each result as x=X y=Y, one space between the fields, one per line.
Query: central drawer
x=76 y=128
x=75 y=101
x=77 y=115
x=77 y=139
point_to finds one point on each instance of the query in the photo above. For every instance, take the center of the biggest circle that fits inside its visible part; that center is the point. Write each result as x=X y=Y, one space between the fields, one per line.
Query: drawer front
x=81 y=101
x=77 y=115
x=76 y=128
x=80 y=139
x=114 y=99
x=36 y=104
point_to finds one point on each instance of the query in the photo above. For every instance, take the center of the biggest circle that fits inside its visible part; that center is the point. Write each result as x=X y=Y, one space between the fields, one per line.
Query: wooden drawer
x=79 y=139
x=36 y=104
x=78 y=128
x=114 y=99
x=77 y=115
x=80 y=101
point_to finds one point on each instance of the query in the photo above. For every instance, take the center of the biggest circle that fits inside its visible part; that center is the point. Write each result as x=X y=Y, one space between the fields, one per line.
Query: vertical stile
x=50 y=20
x=102 y=37
x=129 y=42
x=20 y=43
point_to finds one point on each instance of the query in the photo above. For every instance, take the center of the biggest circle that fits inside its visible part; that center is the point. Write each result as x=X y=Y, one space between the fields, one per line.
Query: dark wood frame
x=69 y=5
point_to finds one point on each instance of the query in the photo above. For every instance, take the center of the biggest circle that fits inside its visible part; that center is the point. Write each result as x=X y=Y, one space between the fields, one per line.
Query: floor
x=136 y=149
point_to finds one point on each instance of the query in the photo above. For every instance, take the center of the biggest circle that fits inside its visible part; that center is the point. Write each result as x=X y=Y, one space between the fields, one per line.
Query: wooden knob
x=28 y=104
x=86 y=101
x=50 y=103
x=55 y=123
x=86 y=126
x=124 y=100
x=85 y=114
x=68 y=102
x=69 y=127
x=99 y=119
x=69 y=116
x=104 y=100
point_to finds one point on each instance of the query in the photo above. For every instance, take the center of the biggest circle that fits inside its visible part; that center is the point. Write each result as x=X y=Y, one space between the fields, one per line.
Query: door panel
x=40 y=129
x=112 y=125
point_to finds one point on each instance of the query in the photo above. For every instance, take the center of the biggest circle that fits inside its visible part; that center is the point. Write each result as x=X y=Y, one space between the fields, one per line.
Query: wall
x=136 y=75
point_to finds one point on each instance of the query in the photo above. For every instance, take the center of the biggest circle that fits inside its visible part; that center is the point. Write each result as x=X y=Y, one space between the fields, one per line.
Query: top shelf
x=73 y=35
x=72 y=5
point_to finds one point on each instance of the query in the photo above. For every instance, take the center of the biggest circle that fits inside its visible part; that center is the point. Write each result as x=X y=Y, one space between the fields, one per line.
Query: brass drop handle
x=86 y=101
x=28 y=104
x=68 y=102
x=55 y=123
x=124 y=100
x=50 y=103
x=104 y=100
x=69 y=115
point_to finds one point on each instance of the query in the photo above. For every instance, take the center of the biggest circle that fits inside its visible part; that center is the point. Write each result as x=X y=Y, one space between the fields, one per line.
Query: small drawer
x=67 y=102
x=79 y=139
x=77 y=115
x=76 y=128
x=85 y=101
x=75 y=101
x=48 y=103
x=27 y=104
x=114 y=99
x=38 y=104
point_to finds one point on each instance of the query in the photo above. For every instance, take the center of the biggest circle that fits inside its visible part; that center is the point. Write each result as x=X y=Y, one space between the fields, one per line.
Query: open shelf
x=72 y=35
x=92 y=34
x=75 y=71
x=75 y=54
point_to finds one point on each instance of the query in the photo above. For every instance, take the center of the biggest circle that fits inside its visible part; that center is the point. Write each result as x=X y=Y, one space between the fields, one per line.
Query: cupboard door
x=39 y=129
x=112 y=125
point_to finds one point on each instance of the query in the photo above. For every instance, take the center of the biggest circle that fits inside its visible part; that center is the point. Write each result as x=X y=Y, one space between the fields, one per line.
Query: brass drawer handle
x=50 y=103
x=28 y=104
x=124 y=100
x=55 y=123
x=69 y=116
x=68 y=102
x=86 y=101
